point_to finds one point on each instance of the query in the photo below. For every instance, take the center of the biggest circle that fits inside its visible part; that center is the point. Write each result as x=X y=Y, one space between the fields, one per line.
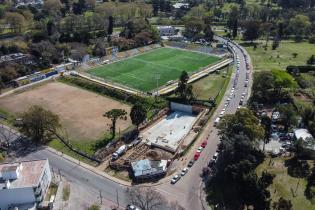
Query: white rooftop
x=29 y=173
x=302 y=133
x=169 y=132
x=179 y=5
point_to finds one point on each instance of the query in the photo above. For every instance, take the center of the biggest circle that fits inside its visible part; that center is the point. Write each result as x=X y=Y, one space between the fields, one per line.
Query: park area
x=288 y=53
x=284 y=185
x=80 y=111
x=140 y=72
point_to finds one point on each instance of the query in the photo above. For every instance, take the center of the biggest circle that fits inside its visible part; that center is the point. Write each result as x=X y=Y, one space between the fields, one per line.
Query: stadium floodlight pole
x=157 y=76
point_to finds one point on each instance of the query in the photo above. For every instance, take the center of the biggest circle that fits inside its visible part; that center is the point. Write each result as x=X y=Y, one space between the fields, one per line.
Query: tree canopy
x=39 y=124
x=138 y=114
x=114 y=115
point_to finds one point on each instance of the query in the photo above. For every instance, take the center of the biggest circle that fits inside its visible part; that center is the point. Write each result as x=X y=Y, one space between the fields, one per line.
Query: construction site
x=156 y=143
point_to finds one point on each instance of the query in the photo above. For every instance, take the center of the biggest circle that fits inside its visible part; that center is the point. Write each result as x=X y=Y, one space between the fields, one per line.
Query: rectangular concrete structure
x=170 y=131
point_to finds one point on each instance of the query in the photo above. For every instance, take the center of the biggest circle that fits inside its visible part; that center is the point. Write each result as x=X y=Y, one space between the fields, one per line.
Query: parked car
x=191 y=163
x=211 y=163
x=175 y=179
x=199 y=150
x=184 y=171
x=204 y=144
x=132 y=207
x=196 y=156
x=215 y=156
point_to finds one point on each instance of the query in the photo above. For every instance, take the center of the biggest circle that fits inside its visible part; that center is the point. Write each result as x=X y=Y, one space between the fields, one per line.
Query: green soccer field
x=139 y=72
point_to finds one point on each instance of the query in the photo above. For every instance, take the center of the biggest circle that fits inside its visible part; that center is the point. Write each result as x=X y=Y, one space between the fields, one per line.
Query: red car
x=197 y=155
x=204 y=144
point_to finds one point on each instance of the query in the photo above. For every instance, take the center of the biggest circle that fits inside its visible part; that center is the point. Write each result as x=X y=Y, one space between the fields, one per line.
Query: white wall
x=16 y=196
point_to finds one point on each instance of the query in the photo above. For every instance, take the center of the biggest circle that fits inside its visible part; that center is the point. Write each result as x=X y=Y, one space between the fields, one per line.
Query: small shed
x=147 y=169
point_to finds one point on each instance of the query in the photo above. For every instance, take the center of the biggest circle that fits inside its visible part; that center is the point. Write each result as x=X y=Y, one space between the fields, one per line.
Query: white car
x=175 y=179
x=199 y=150
x=132 y=207
x=215 y=156
x=224 y=109
x=184 y=171
x=222 y=113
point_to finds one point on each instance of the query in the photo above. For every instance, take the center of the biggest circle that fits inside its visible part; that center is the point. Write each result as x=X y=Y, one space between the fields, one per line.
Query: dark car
x=191 y=163
x=211 y=163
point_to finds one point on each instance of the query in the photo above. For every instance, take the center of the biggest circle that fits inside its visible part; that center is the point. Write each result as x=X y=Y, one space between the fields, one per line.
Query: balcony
x=37 y=191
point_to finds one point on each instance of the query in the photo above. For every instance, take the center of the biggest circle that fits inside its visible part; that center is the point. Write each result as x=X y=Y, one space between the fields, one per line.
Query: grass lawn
x=52 y=190
x=139 y=72
x=281 y=57
x=283 y=184
x=208 y=87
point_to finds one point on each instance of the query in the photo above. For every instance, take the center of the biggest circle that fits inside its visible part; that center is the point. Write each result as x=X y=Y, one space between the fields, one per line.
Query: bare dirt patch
x=80 y=111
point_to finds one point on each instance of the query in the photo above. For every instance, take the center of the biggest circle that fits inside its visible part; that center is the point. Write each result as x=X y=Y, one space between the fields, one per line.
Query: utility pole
x=157 y=76
x=117 y=198
x=101 y=197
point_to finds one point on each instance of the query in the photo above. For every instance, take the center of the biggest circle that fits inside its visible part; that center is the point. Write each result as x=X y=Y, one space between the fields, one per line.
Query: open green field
x=210 y=86
x=281 y=57
x=284 y=185
x=140 y=71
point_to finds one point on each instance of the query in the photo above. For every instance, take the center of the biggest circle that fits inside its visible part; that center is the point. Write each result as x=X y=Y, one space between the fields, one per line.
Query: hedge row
x=300 y=69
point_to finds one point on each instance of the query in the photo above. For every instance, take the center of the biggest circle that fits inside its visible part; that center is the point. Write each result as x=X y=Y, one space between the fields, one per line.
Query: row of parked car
x=184 y=171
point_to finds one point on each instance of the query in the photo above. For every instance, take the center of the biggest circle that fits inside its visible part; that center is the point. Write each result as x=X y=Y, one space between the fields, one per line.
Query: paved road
x=187 y=191
x=80 y=178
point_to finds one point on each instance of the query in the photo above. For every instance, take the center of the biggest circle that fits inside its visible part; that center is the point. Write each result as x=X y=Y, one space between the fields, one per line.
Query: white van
x=216 y=121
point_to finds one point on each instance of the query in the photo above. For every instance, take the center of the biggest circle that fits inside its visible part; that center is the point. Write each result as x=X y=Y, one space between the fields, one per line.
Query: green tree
x=1 y=85
x=265 y=121
x=288 y=115
x=110 y=25
x=282 y=80
x=94 y=207
x=193 y=28
x=114 y=115
x=242 y=122
x=155 y=7
x=138 y=114
x=282 y=204
x=235 y=182
x=299 y=25
x=251 y=30
x=16 y=21
x=39 y=124
x=311 y=60
x=310 y=187
x=208 y=33
x=184 y=90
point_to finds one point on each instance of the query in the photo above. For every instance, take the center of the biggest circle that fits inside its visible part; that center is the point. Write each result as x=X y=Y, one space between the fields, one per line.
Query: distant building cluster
x=17 y=58
x=166 y=30
x=179 y=5
x=23 y=185
x=34 y=3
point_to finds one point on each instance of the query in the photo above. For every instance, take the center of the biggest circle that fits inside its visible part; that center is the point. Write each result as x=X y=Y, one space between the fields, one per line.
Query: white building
x=23 y=185
x=308 y=141
x=34 y=3
x=166 y=30
x=180 y=5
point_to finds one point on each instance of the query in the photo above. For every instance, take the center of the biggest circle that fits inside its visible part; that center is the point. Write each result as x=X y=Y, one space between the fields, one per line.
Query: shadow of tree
x=297 y=168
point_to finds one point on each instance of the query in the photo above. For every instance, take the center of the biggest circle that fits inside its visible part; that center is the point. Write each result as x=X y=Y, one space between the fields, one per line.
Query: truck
x=121 y=150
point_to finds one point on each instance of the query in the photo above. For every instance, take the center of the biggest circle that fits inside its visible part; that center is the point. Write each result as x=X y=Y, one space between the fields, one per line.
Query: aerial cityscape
x=157 y=105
